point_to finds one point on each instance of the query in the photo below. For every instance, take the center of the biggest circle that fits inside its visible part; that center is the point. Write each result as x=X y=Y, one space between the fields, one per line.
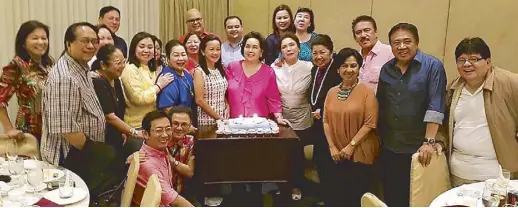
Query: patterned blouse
x=215 y=88
x=26 y=80
x=183 y=152
x=306 y=52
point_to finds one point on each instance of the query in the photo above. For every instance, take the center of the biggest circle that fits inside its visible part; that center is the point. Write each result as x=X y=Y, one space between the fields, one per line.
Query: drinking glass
x=15 y=167
x=11 y=149
x=35 y=179
x=66 y=190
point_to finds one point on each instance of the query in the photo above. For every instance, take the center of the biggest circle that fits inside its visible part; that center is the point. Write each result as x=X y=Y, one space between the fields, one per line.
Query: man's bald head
x=194 y=21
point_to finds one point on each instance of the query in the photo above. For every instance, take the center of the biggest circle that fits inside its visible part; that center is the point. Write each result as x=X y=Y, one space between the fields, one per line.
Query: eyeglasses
x=85 y=41
x=183 y=125
x=471 y=60
x=193 y=21
x=160 y=131
x=119 y=63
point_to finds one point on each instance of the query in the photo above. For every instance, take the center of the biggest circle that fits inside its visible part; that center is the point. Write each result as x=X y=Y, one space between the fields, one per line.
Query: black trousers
x=350 y=181
x=396 y=177
x=298 y=156
x=323 y=160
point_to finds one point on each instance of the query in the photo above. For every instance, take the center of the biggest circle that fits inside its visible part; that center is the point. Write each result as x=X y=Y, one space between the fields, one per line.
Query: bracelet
x=133 y=132
x=159 y=88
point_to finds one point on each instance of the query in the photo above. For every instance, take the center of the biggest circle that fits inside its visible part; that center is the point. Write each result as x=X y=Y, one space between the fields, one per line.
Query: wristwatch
x=353 y=143
x=429 y=140
x=176 y=163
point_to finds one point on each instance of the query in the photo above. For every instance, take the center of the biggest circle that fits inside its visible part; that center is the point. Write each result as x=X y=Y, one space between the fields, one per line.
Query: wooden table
x=245 y=159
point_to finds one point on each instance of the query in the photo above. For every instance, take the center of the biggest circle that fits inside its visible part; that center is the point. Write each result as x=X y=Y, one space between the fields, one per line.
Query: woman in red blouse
x=25 y=75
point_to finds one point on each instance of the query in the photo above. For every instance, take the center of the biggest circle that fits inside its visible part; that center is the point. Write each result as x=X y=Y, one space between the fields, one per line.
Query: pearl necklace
x=314 y=100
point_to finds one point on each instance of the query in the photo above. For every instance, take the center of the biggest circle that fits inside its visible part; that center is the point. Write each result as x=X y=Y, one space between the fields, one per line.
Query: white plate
x=29 y=189
x=79 y=194
x=48 y=175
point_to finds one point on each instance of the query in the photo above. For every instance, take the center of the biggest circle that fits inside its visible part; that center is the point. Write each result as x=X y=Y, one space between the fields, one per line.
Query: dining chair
x=370 y=200
x=426 y=183
x=27 y=146
x=152 y=193
x=131 y=180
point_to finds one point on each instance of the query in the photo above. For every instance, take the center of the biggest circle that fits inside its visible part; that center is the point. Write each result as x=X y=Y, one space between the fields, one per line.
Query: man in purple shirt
x=158 y=160
x=375 y=54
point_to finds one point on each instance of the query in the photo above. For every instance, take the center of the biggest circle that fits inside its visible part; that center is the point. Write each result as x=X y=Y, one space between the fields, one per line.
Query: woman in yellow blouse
x=140 y=81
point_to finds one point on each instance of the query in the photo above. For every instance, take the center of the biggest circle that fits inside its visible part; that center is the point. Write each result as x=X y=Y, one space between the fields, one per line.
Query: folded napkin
x=4 y=187
x=46 y=203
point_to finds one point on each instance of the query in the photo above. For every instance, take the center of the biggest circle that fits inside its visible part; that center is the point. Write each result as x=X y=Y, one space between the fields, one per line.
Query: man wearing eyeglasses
x=194 y=22
x=483 y=116
x=73 y=120
x=159 y=160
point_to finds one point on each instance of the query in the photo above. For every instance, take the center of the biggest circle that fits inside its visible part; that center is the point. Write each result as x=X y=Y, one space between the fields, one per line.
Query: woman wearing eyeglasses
x=109 y=66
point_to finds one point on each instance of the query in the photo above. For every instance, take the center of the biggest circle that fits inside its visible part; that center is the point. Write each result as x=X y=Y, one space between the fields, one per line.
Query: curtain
x=172 y=16
x=136 y=16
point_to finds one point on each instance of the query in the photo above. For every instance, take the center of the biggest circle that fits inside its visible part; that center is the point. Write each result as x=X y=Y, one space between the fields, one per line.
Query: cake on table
x=245 y=127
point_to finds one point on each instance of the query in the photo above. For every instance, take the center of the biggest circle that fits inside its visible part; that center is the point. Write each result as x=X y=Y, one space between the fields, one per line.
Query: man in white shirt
x=482 y=116
x=231 y=50
x=375 y=54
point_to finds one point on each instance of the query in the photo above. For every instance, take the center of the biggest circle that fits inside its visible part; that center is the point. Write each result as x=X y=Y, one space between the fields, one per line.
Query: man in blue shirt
x=411 y=95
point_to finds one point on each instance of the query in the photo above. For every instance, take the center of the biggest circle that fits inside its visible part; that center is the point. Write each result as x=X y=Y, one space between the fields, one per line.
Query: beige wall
x=136 y=16
x=442 y=23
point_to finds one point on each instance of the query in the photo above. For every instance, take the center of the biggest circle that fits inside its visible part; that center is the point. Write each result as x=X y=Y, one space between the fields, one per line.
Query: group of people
x=376 y=105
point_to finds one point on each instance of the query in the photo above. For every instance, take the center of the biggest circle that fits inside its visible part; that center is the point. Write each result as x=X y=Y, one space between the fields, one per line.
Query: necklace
x=186 y=85
x=344 y=94
x=314 y=98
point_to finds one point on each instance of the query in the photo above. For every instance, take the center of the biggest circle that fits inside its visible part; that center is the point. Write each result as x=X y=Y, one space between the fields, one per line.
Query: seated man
x=180 y=147
x=158 y=160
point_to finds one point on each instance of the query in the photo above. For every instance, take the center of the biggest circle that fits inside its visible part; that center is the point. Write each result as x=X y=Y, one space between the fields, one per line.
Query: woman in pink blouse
x=252 y=85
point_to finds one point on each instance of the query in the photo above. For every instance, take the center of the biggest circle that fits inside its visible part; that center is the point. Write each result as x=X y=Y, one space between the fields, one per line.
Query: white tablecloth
x=78 y=181
x=451 y=195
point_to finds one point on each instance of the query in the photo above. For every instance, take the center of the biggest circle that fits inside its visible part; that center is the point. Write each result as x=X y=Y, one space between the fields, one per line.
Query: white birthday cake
x=243 y=126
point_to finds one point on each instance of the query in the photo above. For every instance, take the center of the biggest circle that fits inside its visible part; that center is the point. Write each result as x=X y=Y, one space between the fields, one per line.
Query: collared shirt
x=121 y=44
x=257 y=94
x=408 y=101
x=158 y=164
x=179 y=92
x=26 y=79
x=473 y=156
x=69 y=105
x=140 y=94
x=204 y=34
x=372 y=63
x=294 y=82
x=500 y=92
x=230 y=53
